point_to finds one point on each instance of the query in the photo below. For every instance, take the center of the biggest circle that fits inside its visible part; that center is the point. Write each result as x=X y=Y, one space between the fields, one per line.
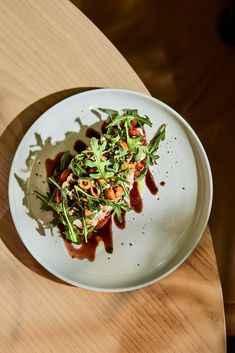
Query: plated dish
x=100 y=181
x=155 y=241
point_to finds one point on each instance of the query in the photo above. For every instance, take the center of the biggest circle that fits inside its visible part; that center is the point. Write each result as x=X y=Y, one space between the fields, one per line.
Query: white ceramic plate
x=155 y=242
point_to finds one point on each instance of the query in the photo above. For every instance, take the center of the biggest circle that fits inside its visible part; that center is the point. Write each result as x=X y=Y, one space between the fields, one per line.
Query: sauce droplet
x=150 y=183
x=92 y=133
x=121 y=224
x=135 y=199
x=52 y=164
x=104 y=126
x=79 y=146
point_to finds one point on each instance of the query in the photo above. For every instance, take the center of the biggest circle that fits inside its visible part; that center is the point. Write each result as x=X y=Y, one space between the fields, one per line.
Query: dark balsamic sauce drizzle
x=104 y=126
x=106 y=234
x=79 y=146
x=87 y=250
x=92 y=133
x=135 y=199
x=52 y=164
x=121 y=224
x=150 y=183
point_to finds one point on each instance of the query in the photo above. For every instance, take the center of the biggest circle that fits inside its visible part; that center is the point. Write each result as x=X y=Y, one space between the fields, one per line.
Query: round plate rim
x=206 y=217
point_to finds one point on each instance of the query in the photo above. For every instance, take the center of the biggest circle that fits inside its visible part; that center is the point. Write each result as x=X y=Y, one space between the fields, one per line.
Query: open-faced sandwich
x=90 y=187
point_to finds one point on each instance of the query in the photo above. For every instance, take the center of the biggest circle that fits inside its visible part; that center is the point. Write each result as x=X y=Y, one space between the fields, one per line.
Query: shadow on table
x=9 y=141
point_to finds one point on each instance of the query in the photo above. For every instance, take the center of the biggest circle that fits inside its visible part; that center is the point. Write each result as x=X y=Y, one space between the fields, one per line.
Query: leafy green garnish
x=77 y=169
x=128 y=118
x=106 y=163
x=65 y=160
x=110 y=112
x=154 y=144
x=71 y=231
x=89 y=196
x=85 y=230
x=44 y=199
x=98 y=151
x=53 y=182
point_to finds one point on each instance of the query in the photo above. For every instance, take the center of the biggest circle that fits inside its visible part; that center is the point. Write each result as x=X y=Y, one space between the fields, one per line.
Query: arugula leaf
x=110 y=112
x=65 y=160
x=124 y=188
x=112 y=139
x=96 y=176
x=154 y=143
x=67 y=235
x=97 y=153
x=122 y=118
x=89 y=163
x=115 y=167
x=118 y=212
x=142 y=173
x=47 y=204
x=53 y=182
x=56 y=207
x=76 y=168
x=71 y=232
x=141 y=150
x=56 y=221
x=159 y=136
x=78 y=189
x=44 y=199
x=119 y=207
x=117 y=177
x=85 y=230
x=130 y=111
x=93 y=215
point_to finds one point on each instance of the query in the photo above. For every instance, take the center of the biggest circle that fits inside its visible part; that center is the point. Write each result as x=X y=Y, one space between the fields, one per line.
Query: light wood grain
x=47 y=47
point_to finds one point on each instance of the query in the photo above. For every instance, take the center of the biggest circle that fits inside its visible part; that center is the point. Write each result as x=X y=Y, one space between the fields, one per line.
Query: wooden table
x=48 y=47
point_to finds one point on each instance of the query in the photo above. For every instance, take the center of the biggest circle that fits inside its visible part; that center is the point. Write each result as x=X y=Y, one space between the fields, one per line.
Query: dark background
x=180 y=50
